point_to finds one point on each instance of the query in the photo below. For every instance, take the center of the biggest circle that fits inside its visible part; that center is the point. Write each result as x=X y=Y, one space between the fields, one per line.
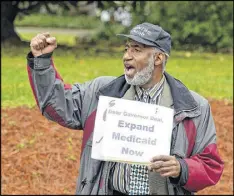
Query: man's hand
x=42 y=44
x=167 y=166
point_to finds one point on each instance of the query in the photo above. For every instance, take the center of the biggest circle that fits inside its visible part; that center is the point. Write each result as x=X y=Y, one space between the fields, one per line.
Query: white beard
x=143 y=76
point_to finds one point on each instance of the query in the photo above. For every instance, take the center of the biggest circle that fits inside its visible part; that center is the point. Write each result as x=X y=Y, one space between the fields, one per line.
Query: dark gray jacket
x=74 y=106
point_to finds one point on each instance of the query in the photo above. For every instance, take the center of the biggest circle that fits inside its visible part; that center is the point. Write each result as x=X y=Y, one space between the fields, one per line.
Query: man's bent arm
x=57 y=101
x=204 y=166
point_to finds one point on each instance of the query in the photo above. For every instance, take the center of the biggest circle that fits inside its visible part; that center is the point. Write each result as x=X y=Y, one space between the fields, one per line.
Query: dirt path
x=79 y=32
x=41 y=157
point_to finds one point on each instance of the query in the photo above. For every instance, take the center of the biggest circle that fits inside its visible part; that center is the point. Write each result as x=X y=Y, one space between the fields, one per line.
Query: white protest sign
x=131 y=131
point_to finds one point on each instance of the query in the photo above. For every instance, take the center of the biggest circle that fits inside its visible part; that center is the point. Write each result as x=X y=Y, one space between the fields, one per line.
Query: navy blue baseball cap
x=151 y=35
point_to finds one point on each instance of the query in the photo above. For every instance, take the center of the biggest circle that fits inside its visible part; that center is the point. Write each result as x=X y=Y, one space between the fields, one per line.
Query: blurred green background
x=202 y=41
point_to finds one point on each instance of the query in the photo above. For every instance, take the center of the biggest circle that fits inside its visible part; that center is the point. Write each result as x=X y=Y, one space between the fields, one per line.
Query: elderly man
x=194 y=162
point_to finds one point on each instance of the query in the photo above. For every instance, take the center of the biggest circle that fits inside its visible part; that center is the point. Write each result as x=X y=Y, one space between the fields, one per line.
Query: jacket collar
x=182 y=98
x=115 y=88
x=166 y=98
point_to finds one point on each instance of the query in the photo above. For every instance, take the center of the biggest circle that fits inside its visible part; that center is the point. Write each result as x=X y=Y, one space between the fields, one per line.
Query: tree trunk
x=9 y=11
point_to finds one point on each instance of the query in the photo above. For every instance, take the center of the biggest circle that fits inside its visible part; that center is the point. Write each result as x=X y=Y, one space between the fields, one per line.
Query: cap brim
x=137 y=39
x=142 y=41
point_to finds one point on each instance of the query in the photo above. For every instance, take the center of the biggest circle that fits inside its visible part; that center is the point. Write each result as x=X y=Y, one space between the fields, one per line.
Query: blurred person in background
x=193 y=163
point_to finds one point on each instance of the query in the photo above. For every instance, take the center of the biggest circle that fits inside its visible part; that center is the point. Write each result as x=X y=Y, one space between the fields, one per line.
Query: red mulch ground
x=41 y=157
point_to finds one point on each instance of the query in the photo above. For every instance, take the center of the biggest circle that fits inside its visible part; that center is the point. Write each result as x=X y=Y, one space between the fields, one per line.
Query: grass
x=211 y=75
x=56 y=21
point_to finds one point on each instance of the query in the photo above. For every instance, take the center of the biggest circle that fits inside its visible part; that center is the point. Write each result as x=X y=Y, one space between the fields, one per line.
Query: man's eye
x=137 y=50
x=125 y=49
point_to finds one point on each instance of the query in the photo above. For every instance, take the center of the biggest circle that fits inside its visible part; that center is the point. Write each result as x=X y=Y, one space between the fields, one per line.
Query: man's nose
x=127 y=55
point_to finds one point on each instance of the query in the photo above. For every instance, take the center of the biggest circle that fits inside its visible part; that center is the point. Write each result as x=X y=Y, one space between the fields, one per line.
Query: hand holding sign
x=167 y=166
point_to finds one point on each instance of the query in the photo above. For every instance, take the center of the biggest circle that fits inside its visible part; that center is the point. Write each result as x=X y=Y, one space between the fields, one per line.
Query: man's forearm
x=40 y=62
x=204 y=169
x=53 y=97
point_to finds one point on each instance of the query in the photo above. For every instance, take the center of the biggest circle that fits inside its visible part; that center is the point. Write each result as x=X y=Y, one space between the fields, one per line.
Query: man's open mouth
x=129 y=70
x=128 y=67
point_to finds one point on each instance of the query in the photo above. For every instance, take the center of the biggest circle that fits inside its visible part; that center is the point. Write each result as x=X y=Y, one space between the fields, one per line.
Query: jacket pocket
x=89 y=171
x=91 y=166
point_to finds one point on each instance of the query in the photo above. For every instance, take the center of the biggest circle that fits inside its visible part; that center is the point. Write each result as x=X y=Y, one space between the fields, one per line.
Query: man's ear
x=158 y=59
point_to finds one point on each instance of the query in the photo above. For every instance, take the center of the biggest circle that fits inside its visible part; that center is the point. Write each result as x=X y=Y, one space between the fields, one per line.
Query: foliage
x=47 y=20
x=193 y=25
x=10 y=9
x=211 y=75
x=107 y=34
